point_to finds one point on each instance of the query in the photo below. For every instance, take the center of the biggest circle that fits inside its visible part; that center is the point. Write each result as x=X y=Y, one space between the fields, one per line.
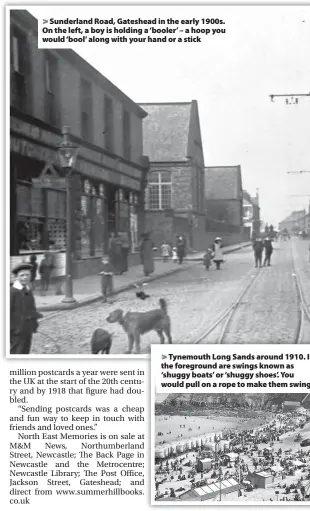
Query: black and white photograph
x=159 y=187
x=231 y=448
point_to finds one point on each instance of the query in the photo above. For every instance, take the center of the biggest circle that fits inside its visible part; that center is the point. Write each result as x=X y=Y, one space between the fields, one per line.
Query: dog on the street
x=101 y=342
x=136 y=324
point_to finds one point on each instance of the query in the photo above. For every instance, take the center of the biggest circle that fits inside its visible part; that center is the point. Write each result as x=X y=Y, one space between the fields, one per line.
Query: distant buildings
x=297 y=221
x=174 y=199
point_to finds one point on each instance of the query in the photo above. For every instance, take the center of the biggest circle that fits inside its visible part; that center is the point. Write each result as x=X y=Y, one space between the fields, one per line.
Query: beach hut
x=188 y=444
x=179 y=448
x=173 y=447
x=198 y=441
x=210 y=446
x=226 y=444
x=222 y=445
x=261 y=479
x=204 y=464
x=159 y=453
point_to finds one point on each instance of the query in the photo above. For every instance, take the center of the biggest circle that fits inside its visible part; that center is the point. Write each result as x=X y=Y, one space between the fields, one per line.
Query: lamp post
x=67 y=157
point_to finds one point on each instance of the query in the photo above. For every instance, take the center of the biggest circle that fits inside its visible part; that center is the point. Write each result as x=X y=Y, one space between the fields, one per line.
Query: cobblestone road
x=195 y=298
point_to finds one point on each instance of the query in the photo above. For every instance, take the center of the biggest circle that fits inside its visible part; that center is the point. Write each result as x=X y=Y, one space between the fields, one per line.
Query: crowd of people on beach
x=245 y=453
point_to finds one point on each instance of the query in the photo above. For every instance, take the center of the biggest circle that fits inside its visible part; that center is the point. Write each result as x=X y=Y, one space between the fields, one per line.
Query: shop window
x=126 y=135
x=86 y=111
x=19 y=59
x=108 y=124
x=51 y=81
x=159 y=191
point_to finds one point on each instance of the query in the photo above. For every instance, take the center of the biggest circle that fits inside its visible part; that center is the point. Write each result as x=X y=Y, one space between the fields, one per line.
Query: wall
x=69 y=75
x=195 y=151
x=225 y=210
x=166 y=225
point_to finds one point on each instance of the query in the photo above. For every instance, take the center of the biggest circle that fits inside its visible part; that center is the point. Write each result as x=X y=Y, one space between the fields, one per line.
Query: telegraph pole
x=290 y=99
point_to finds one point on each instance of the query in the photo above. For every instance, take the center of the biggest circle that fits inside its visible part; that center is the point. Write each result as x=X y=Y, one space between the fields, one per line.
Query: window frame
x=159 y=185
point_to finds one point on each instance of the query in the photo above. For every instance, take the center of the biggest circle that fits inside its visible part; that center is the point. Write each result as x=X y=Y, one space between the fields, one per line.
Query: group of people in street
x=259 y=246
x=115 y=262
x=177 y=252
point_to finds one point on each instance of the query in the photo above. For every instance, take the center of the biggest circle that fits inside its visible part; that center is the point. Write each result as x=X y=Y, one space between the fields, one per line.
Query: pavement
x=87 y=289
x=196 y=298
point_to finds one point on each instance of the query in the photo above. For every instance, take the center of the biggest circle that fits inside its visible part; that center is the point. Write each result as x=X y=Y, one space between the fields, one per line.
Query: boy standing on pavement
x=106 y=278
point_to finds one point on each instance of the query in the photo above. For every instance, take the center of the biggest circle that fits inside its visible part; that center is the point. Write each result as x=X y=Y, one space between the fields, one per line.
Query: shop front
x=105 y=200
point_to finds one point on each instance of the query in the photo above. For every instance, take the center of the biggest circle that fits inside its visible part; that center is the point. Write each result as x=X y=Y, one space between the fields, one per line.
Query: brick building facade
x=49 y=89
x=174 y=199
x=224 y=202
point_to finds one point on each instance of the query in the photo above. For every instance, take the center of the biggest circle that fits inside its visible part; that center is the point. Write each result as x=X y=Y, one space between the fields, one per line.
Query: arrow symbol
x=45 y=21
x=163 y=357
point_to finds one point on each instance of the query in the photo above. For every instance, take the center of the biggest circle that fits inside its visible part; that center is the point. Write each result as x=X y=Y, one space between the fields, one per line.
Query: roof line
x=167 y=103
x=222 y=166
x=82 y=65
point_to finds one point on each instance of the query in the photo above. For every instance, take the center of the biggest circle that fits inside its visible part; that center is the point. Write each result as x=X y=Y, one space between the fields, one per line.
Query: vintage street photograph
x=159 y=203
x=238 y=448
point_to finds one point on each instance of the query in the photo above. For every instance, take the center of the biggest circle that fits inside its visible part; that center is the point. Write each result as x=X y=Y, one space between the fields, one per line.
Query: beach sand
x=208 y=424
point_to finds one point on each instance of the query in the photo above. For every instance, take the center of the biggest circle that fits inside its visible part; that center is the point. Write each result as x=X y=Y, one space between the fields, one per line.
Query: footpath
x=86 y=290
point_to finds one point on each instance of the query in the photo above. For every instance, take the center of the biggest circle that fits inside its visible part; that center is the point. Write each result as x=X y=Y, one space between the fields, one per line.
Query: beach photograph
x=232 y=448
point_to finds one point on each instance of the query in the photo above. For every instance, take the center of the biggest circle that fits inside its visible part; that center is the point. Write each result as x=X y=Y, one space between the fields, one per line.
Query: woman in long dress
x=147 y=254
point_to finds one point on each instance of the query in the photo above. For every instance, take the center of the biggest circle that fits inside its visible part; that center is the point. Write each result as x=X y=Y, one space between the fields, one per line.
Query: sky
x=265 y=50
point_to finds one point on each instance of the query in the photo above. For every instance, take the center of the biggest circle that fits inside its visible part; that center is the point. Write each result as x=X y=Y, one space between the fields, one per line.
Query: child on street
x=207 y=258
x=165 y=251
x=106 y=278
x=174 y=255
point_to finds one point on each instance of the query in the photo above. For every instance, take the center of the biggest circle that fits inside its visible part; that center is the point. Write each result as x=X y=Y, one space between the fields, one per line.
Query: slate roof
x=250 y=199
x=222 y=182
x=166 y=130
x=294 y=216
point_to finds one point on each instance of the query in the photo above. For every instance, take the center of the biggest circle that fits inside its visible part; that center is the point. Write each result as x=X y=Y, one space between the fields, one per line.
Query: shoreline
x=229 y=423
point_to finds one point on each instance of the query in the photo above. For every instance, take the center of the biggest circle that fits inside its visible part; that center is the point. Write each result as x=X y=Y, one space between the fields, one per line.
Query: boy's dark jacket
x=107 y=269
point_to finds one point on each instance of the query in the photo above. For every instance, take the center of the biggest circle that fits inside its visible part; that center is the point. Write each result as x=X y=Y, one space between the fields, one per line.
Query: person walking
x=45 y=270
x=23 y=312
x=181 y=244
x=217 y=253
x=175 y=255
x=33 y=270
x=207 y=258
x=268 y=251
x=147 y=254
x=258 y=248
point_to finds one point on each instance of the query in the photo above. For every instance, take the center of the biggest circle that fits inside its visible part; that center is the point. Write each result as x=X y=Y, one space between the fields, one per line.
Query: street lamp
x=67 y=157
